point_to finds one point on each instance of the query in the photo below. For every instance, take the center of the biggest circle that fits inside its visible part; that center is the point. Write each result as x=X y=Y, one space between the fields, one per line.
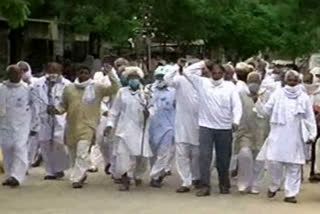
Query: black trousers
x=222 y=140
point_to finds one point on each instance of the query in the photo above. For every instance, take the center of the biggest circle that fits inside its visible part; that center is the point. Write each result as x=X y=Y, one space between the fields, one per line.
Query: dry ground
x=100 y=195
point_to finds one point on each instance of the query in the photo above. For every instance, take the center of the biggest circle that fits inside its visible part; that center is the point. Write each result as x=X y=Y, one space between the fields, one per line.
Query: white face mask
x=52 y=77
x=216 y=82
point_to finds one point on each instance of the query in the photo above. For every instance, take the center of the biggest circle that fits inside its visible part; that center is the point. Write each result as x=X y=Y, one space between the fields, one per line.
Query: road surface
x=100 y=196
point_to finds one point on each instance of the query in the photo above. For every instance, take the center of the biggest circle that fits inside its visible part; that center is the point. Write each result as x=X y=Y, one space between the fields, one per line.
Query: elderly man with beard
x=49 y=129
x=34 y=154
x=131 y=111
x=292 y=124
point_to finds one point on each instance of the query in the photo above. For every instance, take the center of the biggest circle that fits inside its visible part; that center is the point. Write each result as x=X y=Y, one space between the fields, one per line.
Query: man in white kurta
x=34 y=155
x=220 y=112
x=292 y=124
x=161 y=129
x=131 y=109
x=186 y=127
x=15 y=117
x=49 y=129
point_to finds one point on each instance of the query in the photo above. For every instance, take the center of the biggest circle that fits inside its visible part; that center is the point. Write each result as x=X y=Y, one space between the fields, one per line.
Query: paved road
x=100 y=196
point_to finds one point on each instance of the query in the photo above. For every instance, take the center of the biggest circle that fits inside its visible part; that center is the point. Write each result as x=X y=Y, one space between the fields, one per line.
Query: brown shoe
x=204 y=191
x=125 y=183
x=93 y=170
x=271 y=194
x=224 y=190
x=183 y=189
x=196 y=184
x=155 y=183
x=77 y=185
x=291 y=200
x=83 y=179
x=314 y=178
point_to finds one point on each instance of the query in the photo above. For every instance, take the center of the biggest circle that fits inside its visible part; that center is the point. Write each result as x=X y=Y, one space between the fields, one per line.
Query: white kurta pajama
x=289 y=113
x=132 y=149
x=33 y=142
x=103 y=148
x=15 y=117
x=50 y=129
x=186 y=127
x=161 y=130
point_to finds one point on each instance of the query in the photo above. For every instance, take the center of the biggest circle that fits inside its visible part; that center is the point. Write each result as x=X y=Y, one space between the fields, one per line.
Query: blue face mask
x=134 y=84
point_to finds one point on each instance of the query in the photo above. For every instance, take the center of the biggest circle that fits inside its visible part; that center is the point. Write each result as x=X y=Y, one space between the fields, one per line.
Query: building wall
x=4 y=51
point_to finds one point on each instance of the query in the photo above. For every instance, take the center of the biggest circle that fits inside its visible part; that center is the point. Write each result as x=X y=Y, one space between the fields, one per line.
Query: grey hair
x=294 y=73
x=254 y=73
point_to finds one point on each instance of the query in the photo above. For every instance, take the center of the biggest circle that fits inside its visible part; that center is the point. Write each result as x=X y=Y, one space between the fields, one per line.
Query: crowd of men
x=241 y=119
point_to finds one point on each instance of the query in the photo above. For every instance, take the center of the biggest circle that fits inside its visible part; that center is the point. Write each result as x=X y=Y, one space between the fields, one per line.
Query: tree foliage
x=239 y=27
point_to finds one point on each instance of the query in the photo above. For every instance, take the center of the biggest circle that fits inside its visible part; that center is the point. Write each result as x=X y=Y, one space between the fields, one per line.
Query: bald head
x=14 y=73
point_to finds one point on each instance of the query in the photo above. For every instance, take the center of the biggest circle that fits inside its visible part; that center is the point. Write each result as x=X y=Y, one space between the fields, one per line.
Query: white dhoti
x=187 y=157
x=80 y=160
x=55 y=157
x=33 y=148
x=292 y=180
x=160 y=163
x=171 y=158
x=134 y=166
x=15 y=160
x=250 y=171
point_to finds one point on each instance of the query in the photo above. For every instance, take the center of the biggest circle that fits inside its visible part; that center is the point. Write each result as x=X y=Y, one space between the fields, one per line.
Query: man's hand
x=146 y=113
x=51 y=110
x=33 y=133
x=107 y=131
x=235 y=127
x=255 y=98
x=105 y=114
x=309 y=142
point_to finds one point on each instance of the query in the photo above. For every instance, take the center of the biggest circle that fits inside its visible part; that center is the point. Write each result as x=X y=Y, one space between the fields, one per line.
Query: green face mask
x=134 y=84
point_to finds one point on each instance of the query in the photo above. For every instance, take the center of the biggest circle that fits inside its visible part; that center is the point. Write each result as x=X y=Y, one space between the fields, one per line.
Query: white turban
x=133 y=70
x=242 y=66
x=315 y=71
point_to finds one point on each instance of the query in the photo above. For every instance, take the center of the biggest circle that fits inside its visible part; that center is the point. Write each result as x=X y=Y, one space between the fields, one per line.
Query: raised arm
x=115 y=85
x=193 y=74
x=171 y=76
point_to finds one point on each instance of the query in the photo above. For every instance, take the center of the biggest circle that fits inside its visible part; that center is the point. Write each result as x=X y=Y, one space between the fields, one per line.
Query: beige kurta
x=253 y=130
x=83 y=119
